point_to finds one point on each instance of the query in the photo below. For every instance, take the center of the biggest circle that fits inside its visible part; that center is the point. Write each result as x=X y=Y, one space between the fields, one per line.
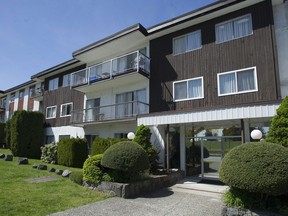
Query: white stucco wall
x=65 y=130
x=280 y=12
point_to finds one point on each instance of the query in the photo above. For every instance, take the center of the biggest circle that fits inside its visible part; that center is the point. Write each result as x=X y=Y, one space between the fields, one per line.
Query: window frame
x=187 y=87
x=233 y=20
x=186 y=37
x=235 y=72
x=56 y=78
x=51 y=107
x=69 y=80
x=62 y=105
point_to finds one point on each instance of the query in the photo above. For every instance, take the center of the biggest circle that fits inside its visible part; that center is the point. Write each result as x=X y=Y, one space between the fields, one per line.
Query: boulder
x=59 y=172
x=42 y=167
x=35 y=166
x=66 y=173
x=22 y=160
x=51 y=169
x=8 y=158
x=2 y=155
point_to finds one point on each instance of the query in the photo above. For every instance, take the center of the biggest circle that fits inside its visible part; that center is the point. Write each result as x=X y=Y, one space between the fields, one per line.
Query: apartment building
x=21 y=97
x=223 y=65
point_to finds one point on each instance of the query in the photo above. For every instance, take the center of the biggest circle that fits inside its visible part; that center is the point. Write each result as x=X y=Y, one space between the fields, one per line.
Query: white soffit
x=260 y=111
x=113 y=48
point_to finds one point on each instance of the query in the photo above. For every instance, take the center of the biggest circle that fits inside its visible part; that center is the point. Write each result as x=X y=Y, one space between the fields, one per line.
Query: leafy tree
x=142 y=137
x=278 y=132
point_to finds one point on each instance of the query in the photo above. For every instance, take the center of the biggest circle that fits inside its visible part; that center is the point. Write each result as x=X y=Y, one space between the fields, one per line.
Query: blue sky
x=38 y=34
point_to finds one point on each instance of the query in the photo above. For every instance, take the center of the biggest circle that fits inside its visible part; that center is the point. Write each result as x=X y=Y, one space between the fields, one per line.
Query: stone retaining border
x=135 y=189
x=230 y=211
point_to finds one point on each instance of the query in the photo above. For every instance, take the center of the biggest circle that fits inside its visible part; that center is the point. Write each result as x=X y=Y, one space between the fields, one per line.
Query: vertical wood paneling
x=253 y=50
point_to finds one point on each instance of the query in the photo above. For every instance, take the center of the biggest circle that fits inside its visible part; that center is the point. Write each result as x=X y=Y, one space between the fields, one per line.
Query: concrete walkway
x=185 y=198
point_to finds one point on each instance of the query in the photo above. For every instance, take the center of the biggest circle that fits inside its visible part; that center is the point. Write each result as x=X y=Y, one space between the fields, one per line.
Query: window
x=12 y=97
x=239 y=81
x=186 y=43
x=132 y=103
x=51 y=112
x=188 y=89
x=66 y=80
x=232 y=29
x=121 y=135
x=66 y=109
x=53 y=84
x=31 y=91
x=63 y=136
x=21 y=95
x=49 y=139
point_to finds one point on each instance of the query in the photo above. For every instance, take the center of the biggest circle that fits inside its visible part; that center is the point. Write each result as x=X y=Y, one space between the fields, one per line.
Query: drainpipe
x=167 y=149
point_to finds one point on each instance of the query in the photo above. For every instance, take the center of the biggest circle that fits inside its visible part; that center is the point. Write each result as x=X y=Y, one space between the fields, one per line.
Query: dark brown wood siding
x=62 y=95
x=253 y=50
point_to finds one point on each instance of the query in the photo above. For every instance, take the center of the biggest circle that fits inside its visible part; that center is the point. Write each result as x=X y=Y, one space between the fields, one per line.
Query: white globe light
x=130 y=135
x=256 y=134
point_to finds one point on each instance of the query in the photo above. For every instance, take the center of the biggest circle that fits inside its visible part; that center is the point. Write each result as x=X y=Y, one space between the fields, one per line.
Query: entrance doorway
x=204 y=154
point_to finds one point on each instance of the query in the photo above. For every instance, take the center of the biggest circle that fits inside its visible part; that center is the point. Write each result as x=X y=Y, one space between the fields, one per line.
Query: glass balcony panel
x=109 y=112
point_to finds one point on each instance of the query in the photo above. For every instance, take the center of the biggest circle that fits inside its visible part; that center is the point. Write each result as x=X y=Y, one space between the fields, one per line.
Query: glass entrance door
x=213 y=150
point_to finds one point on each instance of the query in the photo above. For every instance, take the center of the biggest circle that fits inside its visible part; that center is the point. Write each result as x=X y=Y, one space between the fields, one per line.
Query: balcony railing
x=117 y=111
x=38 y=92
x=132 y=62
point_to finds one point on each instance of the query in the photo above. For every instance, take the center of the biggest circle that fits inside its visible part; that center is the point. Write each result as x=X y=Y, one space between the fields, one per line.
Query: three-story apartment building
x=220 y=66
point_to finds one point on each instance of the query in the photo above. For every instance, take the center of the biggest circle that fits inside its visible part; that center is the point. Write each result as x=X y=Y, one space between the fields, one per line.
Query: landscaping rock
x=35 y=166
x=42 y=167
x=8 y=158
x=58 y=171
x=51 y=169
x=23 y=160
x=66 y=173
x=2 y=155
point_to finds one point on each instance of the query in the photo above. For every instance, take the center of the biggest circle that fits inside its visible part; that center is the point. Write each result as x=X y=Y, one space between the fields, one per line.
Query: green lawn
x=18 y=197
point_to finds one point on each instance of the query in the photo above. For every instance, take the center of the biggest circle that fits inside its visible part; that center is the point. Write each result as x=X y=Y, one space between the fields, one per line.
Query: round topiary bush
x=92 y=172
x=126 y=156
x=256 y=167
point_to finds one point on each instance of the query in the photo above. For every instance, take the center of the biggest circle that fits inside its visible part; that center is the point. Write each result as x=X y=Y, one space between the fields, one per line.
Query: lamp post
x=130 y=135
x=256 y=134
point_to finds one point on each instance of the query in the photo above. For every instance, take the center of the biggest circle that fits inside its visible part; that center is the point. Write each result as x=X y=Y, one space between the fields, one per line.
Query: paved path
x=169 y=202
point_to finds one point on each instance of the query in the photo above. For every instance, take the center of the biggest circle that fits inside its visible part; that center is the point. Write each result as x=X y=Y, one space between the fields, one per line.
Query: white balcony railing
x=131 y=62
x=109 y=112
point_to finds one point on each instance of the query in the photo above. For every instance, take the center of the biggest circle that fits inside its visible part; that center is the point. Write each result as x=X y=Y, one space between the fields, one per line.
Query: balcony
x=116 y=112
x=133 y=62
x=36 y=94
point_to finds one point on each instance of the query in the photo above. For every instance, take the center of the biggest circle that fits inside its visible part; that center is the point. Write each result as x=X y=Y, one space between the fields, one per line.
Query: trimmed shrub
x=92 y=170
x=100 y=145
x=278 y=132
x=142 y=137
x=126 y=156
x=8 y=134
x=72 y=152
x=25 y=135
x=2 y=132
x=256 y=167
x=77 y=177
x=49 y=153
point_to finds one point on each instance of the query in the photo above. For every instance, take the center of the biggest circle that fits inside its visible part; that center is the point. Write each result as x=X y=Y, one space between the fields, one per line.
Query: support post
x=182 y=149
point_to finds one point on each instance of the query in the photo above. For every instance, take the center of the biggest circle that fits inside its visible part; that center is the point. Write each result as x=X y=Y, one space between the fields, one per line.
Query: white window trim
x=185 y=35
x=237 y=92
x=65 y=105
x=232 y=20
x=50 y=107
x=187 y=80
x=54 y=88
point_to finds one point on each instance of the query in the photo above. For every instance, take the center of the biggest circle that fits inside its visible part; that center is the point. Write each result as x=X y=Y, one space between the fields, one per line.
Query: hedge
x=126 y=156
x=72 y=152
x=2 y=132
x=25 y=134
x=256 y=167
x=100 y=145
x=92 y=172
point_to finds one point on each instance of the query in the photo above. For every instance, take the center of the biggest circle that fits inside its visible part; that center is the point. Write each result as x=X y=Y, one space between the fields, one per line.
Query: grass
x=18 y=197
